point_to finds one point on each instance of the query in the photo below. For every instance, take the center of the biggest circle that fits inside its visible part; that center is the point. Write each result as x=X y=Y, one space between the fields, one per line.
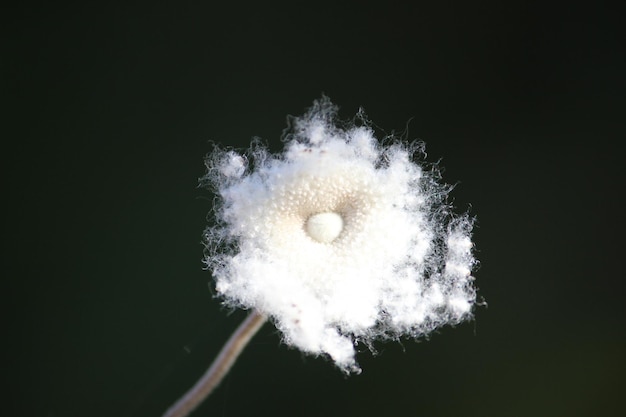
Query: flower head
x=340 y=239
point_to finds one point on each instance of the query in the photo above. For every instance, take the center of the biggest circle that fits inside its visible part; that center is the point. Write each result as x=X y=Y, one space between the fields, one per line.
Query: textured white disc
x=324 y=227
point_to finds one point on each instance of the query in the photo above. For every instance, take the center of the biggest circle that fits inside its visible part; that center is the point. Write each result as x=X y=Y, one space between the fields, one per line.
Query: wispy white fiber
x=341 y=239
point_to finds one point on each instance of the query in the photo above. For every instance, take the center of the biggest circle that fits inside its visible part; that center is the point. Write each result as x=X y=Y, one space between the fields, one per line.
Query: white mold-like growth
x=340 y=239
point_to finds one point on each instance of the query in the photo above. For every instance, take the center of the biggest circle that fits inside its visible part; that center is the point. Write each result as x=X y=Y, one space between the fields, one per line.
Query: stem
x=219 y=368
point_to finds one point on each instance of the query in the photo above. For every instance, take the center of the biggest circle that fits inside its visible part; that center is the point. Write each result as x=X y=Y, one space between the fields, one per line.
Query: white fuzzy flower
x=339 y=239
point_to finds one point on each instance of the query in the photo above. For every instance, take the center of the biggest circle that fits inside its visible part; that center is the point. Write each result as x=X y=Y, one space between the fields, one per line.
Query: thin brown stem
x=219 y=368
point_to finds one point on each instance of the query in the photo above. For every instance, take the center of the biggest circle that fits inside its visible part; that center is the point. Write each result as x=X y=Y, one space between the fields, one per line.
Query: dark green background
x=108 y=112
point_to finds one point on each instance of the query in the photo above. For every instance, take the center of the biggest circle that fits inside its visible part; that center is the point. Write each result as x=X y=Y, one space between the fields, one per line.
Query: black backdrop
x=108 y=112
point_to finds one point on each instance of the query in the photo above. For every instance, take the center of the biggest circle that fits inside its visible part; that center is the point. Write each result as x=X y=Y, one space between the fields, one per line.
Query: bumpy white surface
x=395 y=263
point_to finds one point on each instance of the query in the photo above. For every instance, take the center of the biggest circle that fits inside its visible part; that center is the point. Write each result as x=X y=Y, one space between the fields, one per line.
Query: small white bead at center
x=324 y=227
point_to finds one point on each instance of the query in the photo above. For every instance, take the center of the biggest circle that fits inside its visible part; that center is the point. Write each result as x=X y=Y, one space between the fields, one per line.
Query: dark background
x=108 y=112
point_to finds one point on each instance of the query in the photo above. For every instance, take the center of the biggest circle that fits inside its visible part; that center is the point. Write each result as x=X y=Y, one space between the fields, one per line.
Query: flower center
x=324 y=227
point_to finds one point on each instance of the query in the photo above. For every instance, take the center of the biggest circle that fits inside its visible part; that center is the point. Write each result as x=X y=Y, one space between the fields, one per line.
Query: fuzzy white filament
x=338 y=240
